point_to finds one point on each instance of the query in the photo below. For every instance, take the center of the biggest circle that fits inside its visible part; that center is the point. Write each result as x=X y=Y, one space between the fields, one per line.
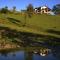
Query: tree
x=56 y=9
x=4 y=10
x=14 y=8
x=30 y=10
x=6 y=7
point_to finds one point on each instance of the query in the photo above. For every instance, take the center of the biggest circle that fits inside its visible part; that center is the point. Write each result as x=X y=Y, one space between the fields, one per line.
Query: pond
x=32 y=54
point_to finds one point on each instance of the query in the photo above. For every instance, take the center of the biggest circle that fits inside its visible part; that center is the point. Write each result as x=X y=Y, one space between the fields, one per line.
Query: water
x=51 y=54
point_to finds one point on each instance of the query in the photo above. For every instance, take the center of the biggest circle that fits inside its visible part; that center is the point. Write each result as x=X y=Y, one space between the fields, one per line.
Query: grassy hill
x=37 y=28
x=40 y=24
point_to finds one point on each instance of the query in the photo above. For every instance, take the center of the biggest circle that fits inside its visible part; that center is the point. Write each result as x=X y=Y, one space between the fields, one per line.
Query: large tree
x=14 y=8
x=56 y=9
x=30 y=10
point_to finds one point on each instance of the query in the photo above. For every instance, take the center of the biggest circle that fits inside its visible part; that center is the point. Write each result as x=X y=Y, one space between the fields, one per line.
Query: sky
x=22 y=4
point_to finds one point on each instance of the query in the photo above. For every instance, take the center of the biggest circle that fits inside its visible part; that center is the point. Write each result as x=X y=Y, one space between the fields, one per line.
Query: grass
x=38 y=24
x=45 y=21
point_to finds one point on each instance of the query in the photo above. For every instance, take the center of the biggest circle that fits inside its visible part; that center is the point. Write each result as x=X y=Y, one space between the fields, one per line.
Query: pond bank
x=8 y=46
x=10 y=38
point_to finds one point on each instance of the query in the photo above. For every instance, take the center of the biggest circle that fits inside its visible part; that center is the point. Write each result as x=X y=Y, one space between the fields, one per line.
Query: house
x=42 y=9
x=37 y=10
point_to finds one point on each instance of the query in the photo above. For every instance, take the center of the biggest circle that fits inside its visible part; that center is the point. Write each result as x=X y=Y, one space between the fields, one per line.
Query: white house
x=42 y=9
x=37 y=10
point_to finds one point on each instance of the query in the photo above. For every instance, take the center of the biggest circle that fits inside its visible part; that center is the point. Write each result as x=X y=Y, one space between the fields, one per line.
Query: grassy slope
x=37 y=24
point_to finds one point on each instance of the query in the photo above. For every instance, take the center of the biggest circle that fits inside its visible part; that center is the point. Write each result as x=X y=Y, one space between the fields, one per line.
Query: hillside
x=37 y=28
x=35 y=24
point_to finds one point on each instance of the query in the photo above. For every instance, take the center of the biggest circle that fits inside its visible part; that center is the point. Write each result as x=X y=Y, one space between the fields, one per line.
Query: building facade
x=42 y=9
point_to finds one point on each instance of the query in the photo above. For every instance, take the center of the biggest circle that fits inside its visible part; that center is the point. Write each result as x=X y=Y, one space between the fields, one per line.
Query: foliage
x=14 y=8
x=30 y=10
x=4 y=10
x=56 y=9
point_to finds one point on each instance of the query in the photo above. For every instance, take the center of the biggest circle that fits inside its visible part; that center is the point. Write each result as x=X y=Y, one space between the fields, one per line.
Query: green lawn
x=38 y=24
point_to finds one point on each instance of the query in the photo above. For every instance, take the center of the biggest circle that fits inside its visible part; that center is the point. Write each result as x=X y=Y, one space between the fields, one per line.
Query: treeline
x=29 y=9
x=5 y=10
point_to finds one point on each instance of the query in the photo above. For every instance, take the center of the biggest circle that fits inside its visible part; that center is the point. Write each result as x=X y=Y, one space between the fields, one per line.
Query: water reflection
x=18 y=55
x=56 y=53
x=28 y=55
x=34 y=54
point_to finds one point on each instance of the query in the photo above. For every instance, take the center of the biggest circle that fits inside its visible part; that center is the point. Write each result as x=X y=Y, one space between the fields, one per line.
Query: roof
x=43 y=7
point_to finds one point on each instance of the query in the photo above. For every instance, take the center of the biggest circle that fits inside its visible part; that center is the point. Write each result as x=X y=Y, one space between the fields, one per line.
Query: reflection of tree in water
x=7 y=53
x=14 y=54
x=4 y=54
x=28 y=55
x=56 y=53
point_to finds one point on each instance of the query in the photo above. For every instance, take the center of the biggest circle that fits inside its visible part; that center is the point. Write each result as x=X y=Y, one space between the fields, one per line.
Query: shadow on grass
x=53 y=31
x=17 y=22
x=27 y=39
